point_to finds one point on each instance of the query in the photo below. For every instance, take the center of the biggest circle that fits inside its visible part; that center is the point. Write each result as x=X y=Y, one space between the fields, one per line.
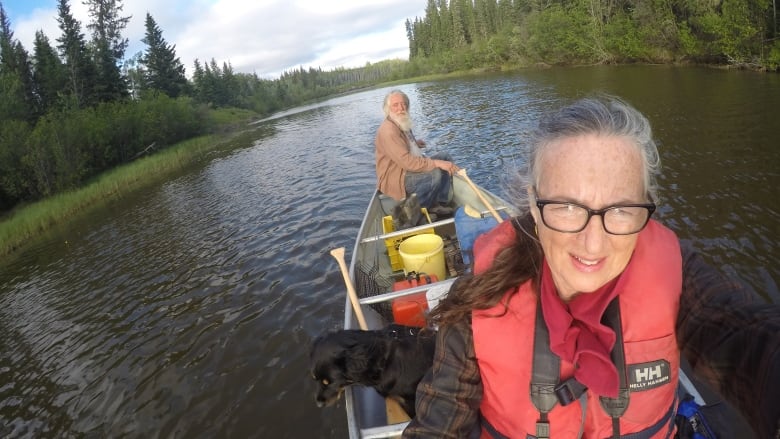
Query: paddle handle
x=462 y=174
x=338 y=253
x=395 y=414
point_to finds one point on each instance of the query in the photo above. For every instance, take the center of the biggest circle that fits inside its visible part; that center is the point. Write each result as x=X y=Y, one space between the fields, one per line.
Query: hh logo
x=646 y=376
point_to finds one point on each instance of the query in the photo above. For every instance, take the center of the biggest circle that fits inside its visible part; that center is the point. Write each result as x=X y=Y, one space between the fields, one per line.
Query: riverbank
x=26 y=222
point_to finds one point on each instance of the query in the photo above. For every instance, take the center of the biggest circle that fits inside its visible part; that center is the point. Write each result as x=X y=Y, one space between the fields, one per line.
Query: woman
x=580 y=308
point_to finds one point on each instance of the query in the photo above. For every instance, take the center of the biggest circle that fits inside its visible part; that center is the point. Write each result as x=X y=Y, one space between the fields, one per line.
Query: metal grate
x=368 y=282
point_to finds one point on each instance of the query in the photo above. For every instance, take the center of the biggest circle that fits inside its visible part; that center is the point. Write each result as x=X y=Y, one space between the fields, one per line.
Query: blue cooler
x=467 y=228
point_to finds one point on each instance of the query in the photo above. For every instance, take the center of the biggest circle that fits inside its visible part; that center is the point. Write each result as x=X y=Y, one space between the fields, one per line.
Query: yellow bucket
x=423 y=254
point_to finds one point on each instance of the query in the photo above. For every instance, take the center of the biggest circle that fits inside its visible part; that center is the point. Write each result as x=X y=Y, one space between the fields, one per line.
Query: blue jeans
x=431 y=187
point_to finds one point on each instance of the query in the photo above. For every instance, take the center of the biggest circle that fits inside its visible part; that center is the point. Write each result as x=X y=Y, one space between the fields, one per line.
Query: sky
x=266 y=37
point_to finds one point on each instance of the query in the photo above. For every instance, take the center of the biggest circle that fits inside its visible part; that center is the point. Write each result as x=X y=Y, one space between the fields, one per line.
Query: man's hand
x=444 y=165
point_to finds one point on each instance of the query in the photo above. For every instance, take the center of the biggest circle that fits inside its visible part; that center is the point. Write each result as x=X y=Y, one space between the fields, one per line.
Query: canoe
x=373 y=270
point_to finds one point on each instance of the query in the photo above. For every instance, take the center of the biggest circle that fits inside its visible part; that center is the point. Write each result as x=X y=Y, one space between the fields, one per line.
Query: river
x=187 y=309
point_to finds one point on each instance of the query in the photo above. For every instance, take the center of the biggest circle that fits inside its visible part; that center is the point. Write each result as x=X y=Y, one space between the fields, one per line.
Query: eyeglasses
x=624 y=219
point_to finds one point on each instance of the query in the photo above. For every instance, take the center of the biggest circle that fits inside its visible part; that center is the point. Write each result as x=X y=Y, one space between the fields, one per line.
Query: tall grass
x=33 y=219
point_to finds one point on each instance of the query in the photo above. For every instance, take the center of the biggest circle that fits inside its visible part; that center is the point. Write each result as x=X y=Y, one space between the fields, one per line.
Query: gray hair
x=386 y=103
x=605 y=115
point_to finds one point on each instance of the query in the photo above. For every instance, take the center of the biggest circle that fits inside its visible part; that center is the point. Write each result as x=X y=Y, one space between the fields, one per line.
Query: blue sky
x=17 y=7
x=265 y=37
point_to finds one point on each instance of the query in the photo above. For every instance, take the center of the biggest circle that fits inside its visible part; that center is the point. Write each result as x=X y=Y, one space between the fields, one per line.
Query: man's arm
x=731 y=338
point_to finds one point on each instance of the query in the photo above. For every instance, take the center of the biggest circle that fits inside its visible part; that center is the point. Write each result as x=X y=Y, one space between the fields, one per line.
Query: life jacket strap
x=547 y=390
x=616 y=407
x=545 y=374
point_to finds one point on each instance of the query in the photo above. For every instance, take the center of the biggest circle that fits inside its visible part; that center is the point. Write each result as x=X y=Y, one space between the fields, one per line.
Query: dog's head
x=338 y=359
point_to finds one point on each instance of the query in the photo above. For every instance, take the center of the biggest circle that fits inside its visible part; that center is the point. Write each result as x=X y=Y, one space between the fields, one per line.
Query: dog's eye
x=325 y=382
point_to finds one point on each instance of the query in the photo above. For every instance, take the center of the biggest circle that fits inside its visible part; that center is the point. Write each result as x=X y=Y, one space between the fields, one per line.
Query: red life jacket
x=648 y=308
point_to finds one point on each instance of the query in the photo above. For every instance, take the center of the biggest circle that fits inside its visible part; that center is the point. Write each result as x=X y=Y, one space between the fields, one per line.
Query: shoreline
x=27 y=222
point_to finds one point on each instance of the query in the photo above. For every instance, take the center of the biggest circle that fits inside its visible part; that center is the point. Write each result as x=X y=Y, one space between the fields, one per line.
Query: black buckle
x=569 y=391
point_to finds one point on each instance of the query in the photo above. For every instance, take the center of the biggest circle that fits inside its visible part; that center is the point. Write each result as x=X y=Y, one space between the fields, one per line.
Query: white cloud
x=264 y=37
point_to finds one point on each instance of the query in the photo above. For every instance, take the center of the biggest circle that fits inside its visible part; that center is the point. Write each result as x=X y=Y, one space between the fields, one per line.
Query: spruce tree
x=198 y=81
x=48 y=72
x=80 y=72
x=108 y=47
x=17 y=89
x=164 y=71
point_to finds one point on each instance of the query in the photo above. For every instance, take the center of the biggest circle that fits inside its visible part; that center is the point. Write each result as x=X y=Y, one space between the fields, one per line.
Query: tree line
x=476 y=33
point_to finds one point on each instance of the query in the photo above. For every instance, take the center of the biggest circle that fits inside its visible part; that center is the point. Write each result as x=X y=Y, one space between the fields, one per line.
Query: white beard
x=403 y=121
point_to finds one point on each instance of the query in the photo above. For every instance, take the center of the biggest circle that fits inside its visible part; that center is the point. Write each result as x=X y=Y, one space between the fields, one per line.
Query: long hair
x=511 y=267
x=522 y=261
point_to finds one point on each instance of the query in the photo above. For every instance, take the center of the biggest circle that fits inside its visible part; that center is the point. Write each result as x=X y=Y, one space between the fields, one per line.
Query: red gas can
x=410 y=310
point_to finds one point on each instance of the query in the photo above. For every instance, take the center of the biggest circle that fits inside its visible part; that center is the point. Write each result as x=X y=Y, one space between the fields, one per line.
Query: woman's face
x=596 y=171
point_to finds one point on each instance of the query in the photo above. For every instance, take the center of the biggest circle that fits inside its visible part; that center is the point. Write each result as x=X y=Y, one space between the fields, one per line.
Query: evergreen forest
x=468 y=34
x=77 y=106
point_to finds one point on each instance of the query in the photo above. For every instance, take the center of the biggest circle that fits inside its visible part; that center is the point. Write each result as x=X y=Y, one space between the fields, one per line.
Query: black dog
x=391 y=360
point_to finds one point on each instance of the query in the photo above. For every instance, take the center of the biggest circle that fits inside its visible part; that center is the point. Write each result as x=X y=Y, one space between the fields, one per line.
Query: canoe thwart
x=405 y=292
x=410 y=230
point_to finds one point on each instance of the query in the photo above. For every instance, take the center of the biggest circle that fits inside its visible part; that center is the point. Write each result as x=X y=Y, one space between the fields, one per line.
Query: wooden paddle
x=462 y=174
x=338 y=253
x=395 y=413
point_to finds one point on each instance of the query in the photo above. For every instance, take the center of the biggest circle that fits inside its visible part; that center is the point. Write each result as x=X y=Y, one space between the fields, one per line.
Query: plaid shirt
x=730 y=336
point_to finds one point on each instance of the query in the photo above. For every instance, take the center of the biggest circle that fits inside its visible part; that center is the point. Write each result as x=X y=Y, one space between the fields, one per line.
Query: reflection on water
x=186 y=310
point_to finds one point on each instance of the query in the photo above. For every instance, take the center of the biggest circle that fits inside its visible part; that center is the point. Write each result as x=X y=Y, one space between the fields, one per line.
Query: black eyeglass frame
x=597 y=212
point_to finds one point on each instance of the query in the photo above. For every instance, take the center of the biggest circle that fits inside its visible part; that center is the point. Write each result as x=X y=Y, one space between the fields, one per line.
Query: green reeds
x=27 y=222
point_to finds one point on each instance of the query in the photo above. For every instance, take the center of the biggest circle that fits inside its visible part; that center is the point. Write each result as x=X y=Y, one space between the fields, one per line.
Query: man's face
x=399 y=112
x=398 y=105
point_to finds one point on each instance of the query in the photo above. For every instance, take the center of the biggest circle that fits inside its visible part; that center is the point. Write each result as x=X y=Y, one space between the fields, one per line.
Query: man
x=401 y=167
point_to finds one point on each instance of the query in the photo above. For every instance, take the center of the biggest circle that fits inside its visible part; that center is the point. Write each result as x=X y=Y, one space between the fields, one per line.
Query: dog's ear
x=326 y=352
x=356 y=349
x=360 y=355
x=340 y=353
x=373 y=358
